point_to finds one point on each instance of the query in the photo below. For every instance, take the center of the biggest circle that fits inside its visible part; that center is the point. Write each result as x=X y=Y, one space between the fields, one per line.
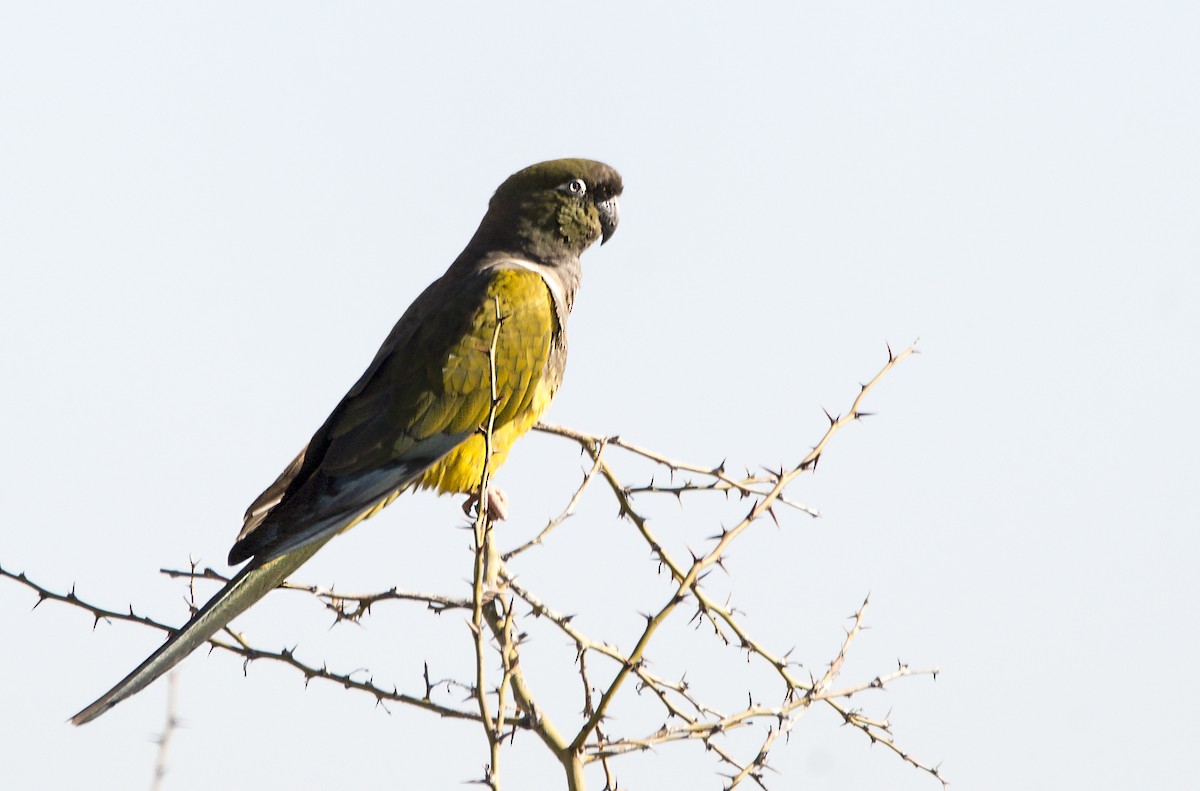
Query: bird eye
x=574 y=187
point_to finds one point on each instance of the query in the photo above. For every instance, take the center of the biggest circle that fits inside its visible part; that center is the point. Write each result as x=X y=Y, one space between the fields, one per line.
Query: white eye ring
x=574 y=187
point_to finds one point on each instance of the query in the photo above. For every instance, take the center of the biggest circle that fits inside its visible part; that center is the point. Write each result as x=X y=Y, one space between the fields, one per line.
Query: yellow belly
x=461 y=469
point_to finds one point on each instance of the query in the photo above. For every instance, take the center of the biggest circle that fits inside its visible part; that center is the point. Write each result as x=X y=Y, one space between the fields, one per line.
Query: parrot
x=414 y=418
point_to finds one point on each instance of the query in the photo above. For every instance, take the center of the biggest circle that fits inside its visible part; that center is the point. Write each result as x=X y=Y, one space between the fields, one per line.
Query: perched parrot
x=413 y=420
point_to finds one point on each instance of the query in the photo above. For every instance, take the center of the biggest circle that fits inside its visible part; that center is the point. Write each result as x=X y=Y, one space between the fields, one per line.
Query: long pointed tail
x=247 y=587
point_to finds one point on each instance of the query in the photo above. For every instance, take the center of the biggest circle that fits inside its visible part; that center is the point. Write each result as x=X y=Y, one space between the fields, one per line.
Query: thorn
x=718 y=536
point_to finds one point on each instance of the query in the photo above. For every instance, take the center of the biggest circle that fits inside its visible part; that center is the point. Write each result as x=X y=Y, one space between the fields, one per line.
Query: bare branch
x=168 y=733
x=498 y=632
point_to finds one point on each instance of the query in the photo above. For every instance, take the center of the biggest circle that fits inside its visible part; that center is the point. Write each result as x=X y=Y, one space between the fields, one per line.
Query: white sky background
x=211 y=215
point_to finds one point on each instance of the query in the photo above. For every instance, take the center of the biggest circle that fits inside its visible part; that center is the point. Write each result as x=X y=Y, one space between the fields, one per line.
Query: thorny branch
x=492 y=726
x=511 y=704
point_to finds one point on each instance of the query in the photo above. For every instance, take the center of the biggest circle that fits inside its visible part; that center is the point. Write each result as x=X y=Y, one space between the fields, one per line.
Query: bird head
x=554 y=210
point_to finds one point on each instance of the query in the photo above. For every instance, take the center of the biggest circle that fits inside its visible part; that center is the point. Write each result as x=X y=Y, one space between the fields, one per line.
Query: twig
x=168 y=732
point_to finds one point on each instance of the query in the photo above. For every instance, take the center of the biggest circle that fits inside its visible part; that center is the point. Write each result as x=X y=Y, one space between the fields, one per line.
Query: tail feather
x=247 y=587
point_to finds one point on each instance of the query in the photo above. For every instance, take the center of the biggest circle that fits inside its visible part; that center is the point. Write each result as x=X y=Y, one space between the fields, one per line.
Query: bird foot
x=496 y=504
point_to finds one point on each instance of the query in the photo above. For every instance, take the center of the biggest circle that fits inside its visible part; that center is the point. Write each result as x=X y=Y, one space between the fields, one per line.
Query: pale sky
x=211 y=215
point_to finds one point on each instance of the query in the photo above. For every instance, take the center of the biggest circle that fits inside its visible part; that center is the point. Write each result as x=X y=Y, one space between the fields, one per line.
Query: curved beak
x=610 y=215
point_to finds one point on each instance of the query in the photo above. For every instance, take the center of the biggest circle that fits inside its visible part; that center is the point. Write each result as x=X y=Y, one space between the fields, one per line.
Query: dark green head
x=553 y=210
